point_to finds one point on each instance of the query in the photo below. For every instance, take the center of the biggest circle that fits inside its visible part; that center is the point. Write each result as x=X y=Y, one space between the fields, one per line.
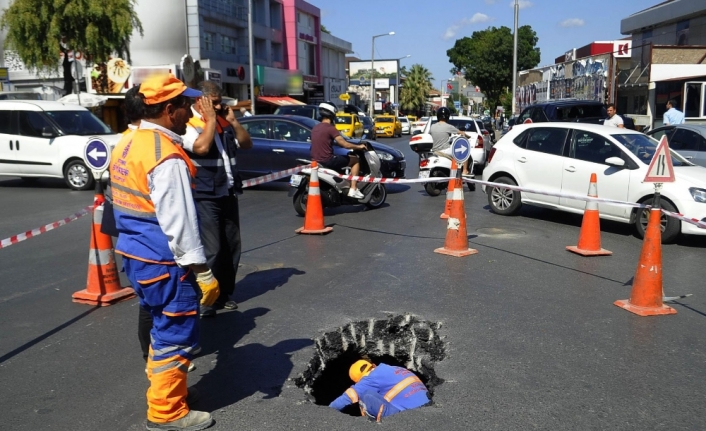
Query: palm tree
x=416 y=87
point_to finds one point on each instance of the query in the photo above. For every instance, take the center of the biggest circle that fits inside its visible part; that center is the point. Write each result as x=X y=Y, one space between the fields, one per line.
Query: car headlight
x=386 y=156
x=346 y=130
x=699 y=195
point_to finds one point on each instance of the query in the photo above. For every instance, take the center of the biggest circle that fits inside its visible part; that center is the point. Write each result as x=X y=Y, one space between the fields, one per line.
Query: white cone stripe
x=100 y=257
x=314 y=191
x=457 y=194
x=98 y=215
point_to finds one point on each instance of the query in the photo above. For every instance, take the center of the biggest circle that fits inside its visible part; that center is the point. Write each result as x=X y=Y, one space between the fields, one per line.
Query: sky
x=426 y=29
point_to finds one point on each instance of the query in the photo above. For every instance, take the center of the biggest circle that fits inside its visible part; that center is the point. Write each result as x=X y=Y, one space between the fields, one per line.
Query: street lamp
x=372 y=75
x=442 y=92
x=397 y=85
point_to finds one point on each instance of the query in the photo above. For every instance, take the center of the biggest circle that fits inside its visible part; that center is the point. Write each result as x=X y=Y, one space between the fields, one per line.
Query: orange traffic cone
x=590 y=236
x=456 y=237
x=646 y=296
x=103 y=283
x=314 y=216
x=449 y=191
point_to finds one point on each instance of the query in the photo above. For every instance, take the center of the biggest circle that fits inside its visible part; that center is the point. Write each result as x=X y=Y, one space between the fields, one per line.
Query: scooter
x=334 y=190
x=434 y=164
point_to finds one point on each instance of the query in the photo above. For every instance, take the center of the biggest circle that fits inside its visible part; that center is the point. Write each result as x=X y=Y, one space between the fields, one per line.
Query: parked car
x=560 y=157
x=405 y=124
x=46 y=139
x=368 y=128
x=567 y=110
x=418 y=126
x=279 y=140
x=349 y=125
x=689 y=140
x=388 y=126
x=310 y=111
x=473 y=128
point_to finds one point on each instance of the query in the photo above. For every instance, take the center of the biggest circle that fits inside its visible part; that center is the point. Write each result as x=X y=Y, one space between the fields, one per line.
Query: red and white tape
x=273 y=177
x=684 y=218
x=51 y=226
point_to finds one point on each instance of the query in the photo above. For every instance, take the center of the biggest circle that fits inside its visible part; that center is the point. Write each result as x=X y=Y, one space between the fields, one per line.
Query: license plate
x=424 y=174
x=295 y=180
x=381 y=130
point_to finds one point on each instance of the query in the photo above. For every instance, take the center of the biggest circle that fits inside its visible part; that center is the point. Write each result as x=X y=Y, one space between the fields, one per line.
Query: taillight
x=479 y=142
x=423 y=163
x=415 y=138
x=491 y=154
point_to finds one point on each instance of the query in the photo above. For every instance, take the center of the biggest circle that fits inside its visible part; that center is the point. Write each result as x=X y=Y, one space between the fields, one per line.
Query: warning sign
x=661 y=169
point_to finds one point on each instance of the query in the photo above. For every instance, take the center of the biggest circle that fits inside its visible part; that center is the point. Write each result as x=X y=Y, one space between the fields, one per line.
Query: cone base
x=444 y=216
x=91 y=298
x=323 y=231
x=577 y=250
x=644 y=311
x=456 y=253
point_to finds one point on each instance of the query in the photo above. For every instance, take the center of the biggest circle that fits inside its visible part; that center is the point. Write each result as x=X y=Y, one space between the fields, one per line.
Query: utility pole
x=253 y=97
x=514 y=58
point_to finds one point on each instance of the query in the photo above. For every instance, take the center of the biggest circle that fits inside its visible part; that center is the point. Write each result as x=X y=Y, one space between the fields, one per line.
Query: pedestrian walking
x=673 y=115
x=245 y=112
x=613 y=119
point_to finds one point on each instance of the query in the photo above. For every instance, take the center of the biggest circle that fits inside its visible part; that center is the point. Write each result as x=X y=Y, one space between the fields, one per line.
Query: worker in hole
x=382 y=390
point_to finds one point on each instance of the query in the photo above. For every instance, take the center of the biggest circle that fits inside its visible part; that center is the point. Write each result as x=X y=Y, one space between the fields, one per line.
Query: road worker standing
x=382 y=390
x=159 y=240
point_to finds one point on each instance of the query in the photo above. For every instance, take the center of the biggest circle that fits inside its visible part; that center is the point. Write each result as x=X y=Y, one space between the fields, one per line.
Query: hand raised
x=205 y=107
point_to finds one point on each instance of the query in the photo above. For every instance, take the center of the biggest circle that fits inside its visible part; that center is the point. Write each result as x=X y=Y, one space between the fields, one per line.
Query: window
x=33 y=123
x=686 y=140
x=661 y=132
x=260 y=49
x=538 y=116
x=286 y=131
x=275 y=16
x=79 y=123
x=343 y=120
x=277 y=52
x=227 y=45
x=256 y=129
x=593 y=148
x=546 y=140
x=6 y=123
x=524 y=116
x=207 y=40
x=695 y=96
x=644 y=148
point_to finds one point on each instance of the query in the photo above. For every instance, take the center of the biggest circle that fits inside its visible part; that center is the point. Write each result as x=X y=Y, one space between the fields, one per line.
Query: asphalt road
x=532 y=336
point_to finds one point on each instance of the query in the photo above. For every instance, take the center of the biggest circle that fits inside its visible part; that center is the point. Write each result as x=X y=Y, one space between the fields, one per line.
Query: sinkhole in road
x=401 y=340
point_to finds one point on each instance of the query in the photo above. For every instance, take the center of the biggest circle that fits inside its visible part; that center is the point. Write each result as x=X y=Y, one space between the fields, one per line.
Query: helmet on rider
x=327 y=110
x=360 y=369
x=443 y=114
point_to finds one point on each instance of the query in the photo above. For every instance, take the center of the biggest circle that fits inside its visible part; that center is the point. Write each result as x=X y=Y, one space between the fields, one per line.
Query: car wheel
x=378 y=197
x=299 y=201
x=504 y=201
x=434 y=189
x=77 y=176
x=671 y=227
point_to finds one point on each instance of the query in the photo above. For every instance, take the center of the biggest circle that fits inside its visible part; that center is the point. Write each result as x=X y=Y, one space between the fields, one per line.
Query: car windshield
x=424 y=119
x=304 y=111
x=403 y=119
x=79 y=123
x=580 y=111
x=344 y=120
x=383 y=120
x=460 y=124
x=644 y=148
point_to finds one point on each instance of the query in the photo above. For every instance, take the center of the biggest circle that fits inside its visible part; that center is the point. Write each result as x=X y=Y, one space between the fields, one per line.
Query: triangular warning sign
x=661 y=169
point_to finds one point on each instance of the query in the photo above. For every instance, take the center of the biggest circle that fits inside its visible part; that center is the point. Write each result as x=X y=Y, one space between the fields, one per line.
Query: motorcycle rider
x=323 y=136
x=441 y=131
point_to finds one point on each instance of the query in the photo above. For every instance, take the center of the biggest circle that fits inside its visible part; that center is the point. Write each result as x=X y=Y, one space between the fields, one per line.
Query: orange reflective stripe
x=185 y=313
x=152 y=280
x=143 y=259
x=352 y=394
x=392 y=393
x=379 y=417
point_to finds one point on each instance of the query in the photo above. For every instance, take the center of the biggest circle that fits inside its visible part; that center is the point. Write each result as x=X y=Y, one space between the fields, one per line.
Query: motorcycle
x=433 y=164
x=334 y=190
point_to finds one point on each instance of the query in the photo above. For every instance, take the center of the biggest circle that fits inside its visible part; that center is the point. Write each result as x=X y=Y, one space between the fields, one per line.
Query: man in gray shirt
x=613 y=118
x=441 y=131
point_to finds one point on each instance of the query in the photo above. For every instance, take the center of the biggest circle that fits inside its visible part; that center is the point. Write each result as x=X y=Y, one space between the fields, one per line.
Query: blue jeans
x=375 y=406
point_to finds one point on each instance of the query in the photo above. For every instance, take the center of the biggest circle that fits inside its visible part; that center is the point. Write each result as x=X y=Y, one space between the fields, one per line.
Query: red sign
x=241 y=73
x=528 y=121
x=449 y=86
x=661 y=169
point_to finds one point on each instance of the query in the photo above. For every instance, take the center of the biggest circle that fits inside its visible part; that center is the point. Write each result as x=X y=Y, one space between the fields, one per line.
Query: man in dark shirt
x=323 y=136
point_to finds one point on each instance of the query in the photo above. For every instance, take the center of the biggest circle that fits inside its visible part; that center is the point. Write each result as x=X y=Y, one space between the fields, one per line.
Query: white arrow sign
x=461 y=149
x=95 y=154
x=661 y=169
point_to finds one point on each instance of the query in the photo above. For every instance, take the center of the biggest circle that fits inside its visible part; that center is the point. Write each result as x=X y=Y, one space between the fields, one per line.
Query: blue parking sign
x=457 y=104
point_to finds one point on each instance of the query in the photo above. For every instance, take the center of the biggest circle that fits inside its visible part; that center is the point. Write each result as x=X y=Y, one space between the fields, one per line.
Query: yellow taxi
x=412 y=118
x=388 y=126
x=349 y=125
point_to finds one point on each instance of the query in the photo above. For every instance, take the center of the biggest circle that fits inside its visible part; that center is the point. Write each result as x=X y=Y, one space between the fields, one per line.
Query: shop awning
x=279 y=100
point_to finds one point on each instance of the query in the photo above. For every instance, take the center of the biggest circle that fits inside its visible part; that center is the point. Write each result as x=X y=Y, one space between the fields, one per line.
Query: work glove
x=209 y=287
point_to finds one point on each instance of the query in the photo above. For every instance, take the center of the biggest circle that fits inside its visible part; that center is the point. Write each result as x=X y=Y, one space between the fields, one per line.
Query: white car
x=406 y=126
x=560 y=157
x=419 y=125
x=473 y=128
x=47 y=139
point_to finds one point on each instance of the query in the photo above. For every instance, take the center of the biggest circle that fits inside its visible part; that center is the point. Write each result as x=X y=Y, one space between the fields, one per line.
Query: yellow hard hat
x=360 y=369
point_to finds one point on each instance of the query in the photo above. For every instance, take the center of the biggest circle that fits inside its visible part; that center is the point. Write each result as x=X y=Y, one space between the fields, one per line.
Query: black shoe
x=207 y=312
x=230 y=305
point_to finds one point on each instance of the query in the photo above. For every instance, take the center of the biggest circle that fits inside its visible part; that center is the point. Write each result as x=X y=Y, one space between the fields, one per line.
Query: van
x=47 y=139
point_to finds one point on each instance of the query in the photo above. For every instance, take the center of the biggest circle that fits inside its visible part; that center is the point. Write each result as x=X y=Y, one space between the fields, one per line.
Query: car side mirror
x=47 y=132
x=615 y=161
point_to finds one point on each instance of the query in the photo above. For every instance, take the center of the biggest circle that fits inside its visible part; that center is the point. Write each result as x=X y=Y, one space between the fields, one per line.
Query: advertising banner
x=361 y=73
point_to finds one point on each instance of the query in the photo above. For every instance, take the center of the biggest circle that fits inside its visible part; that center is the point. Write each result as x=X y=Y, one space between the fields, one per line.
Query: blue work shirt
x=384 y=380
x=673 y=116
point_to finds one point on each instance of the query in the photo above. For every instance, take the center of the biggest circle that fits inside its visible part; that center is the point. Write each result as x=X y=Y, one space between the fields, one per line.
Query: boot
x=193 y=421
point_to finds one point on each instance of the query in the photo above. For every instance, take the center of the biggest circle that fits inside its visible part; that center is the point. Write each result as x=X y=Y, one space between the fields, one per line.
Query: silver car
x=689 y=140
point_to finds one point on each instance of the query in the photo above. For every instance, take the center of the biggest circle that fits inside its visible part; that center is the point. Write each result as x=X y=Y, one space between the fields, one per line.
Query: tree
x=486 y=58
x=40 y=30
x=415 y=90
x=324 y=29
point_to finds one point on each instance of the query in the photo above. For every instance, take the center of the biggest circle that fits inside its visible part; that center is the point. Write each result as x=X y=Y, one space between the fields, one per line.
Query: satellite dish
x=187 y=68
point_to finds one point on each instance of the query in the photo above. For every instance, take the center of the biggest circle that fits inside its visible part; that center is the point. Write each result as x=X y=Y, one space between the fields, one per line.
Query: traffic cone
x=590 y=236
x=449 y=191
x=314 y=215
x=456 y=237
x=103 y=282
x=646 y=296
